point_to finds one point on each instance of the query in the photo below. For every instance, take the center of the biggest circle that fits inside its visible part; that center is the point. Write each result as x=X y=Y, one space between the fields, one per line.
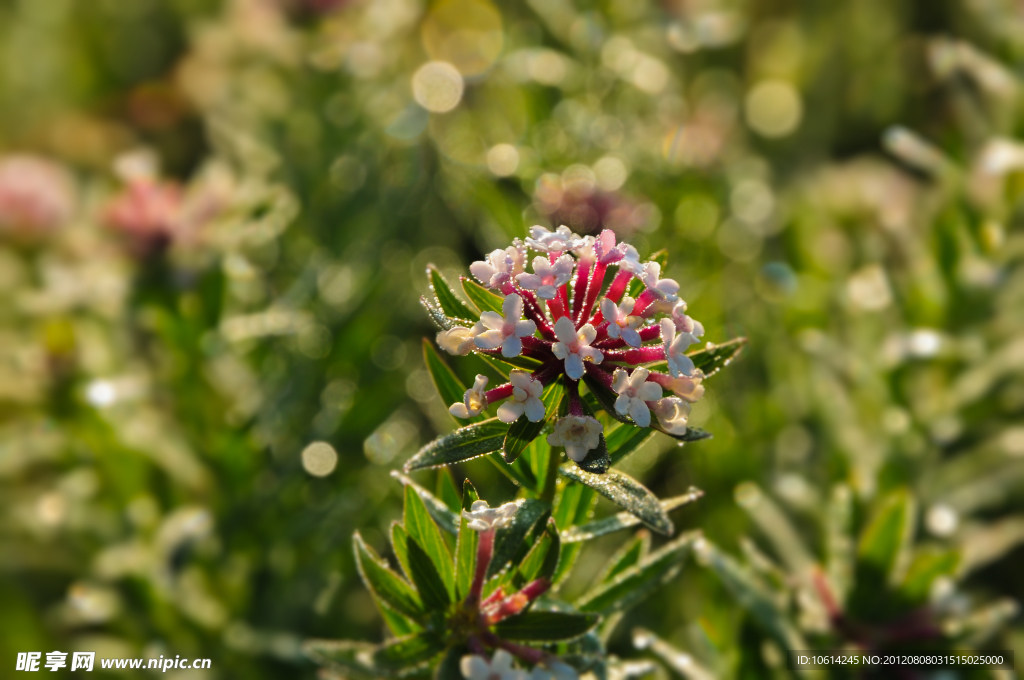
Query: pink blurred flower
x=36 y=195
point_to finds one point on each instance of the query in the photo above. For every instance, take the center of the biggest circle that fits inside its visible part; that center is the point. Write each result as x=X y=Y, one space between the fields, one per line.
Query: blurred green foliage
x=840 y=182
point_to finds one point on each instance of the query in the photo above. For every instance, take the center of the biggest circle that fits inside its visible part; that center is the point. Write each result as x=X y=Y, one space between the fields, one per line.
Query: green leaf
x=398 y=624
x=353 y=659
x=437 y=314
x=449 y=669
x=886 y=540
x=446 y=519
x=423 y=531
x=545 y=626
x=409 y=652
x=385 y=585
x=605 y=398
x=838 y=540
x=573 y=505
x=485 y=300
x=424 y=572
x=627 y=556
x=597 y=460
x=624 y=440
x=523 y=432
x=517 y=471
x=465 y=546
x=462 y=444
x=541 y=560
x=449 y=387
x=750 y=594
x=928 y=565
x=400 y=544
x=450 y=304
x=637 y=582
x=507 y=541
x=626 y=492
x=447 y=492
x=623 y=520
x=711 y=358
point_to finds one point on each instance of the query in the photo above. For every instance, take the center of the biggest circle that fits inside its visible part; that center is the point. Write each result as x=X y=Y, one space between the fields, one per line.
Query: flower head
x=578 y=434
x=557 y=241
x=482 y=517
x=500 y=266
x=687 y=387
x=677 y=342
x=547 y=276
x=525 y=398
x=506 y=331
x=672 y=413
x=474 y=401
x=475 y=667
x=574 y=348
x=607 y=251
x=630 y=260
x=620 y=323
x=634 y=392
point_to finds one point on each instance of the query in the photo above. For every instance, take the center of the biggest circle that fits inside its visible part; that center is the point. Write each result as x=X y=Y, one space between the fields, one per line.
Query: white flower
x=547 y=276
x=685 y=324
x=676 y=345
x=672 y=413
x=475 y=667
x=663 y=288
x=482 y=517
x=578 y=434
x=620 y=323
x=630 y=260
x=634 y=391
x=606 y=250
x=473 y=402
x=505 y=331
x=555 y=670
x=557 y=241
x=689 y=387
x=583 y=248
x=500 y=265
x=459 y=340
x=525 y=398
x=574 y=346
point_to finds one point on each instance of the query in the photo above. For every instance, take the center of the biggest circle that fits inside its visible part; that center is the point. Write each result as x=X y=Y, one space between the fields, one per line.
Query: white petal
x=474 y=667
x=592 y=354
x=510 y=411
x=520 y=378
x=546 y=292
x=609 y=311
x=482 y=271
x=560 y=350
x=630 y=336
x=649 y=391
x=534 y=410
x=530 y=281
x=626 y=307
x=620 y=379
x=575 y=451
x=459 y=410
x=511 y=347
x=492 y=320
x=512 y=307
x=489 y=339
x=622 y=404
x=668 y=332
x=587 y=334
x=574 y=366
x=525 y=328
x=565 y=330
x=639 y=412
x=614 y=331
x=501 y=662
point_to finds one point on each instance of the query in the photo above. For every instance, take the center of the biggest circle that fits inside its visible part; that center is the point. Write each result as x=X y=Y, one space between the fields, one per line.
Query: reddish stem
x=575 y=404
x=484 y=551
x=498 y=393
x=579 y=294
x=646 y=333
x=595 y=371
x=536 y=314
x=556 y=309
x=639 y=355
x=528 y=654
x=593 y=290
x=644 y=301
x=619 y=285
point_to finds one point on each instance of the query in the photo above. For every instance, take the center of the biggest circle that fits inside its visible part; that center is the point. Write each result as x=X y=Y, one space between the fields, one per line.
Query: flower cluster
x=573 y=315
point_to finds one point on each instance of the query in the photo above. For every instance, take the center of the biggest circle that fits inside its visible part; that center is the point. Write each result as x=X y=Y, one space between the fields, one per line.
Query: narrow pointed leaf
x=637 y=582
x=886 y=540
x=927 y=566
x=447 y=519
x=446 y=491
x=597 y=460
x=423 y=531
x=507 y=541
x=400 y=544
x=626 y=492
x=431 y=586
x=711 y=358
x=546 y=626
x=450 y=304
x=398 y=624
x=449 y=387
x=408 y=653
x=627 y=556
x=517 y=471
x=624 y=440
x=485 y=300
x=353 y=659
x=384 y=584
x=465 y=546
x=437 y=315
x=623 y=520
x=462 y=444
x=541 y=560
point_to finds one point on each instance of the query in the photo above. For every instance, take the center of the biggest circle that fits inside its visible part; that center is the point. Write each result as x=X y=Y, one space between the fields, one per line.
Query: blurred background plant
x=215 y=216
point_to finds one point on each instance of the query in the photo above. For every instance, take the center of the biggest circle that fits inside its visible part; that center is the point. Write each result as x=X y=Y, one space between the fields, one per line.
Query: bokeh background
x=215 y=220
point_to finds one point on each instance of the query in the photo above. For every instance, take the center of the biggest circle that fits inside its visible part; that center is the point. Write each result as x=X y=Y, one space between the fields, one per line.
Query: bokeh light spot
x=319 y=459
x=774 y=108
x=437 y=86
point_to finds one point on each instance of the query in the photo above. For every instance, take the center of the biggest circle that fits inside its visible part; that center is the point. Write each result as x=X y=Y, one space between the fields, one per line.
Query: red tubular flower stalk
x=579 y=294
x=639 y=355
x=484 y=552
x=593 y=290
